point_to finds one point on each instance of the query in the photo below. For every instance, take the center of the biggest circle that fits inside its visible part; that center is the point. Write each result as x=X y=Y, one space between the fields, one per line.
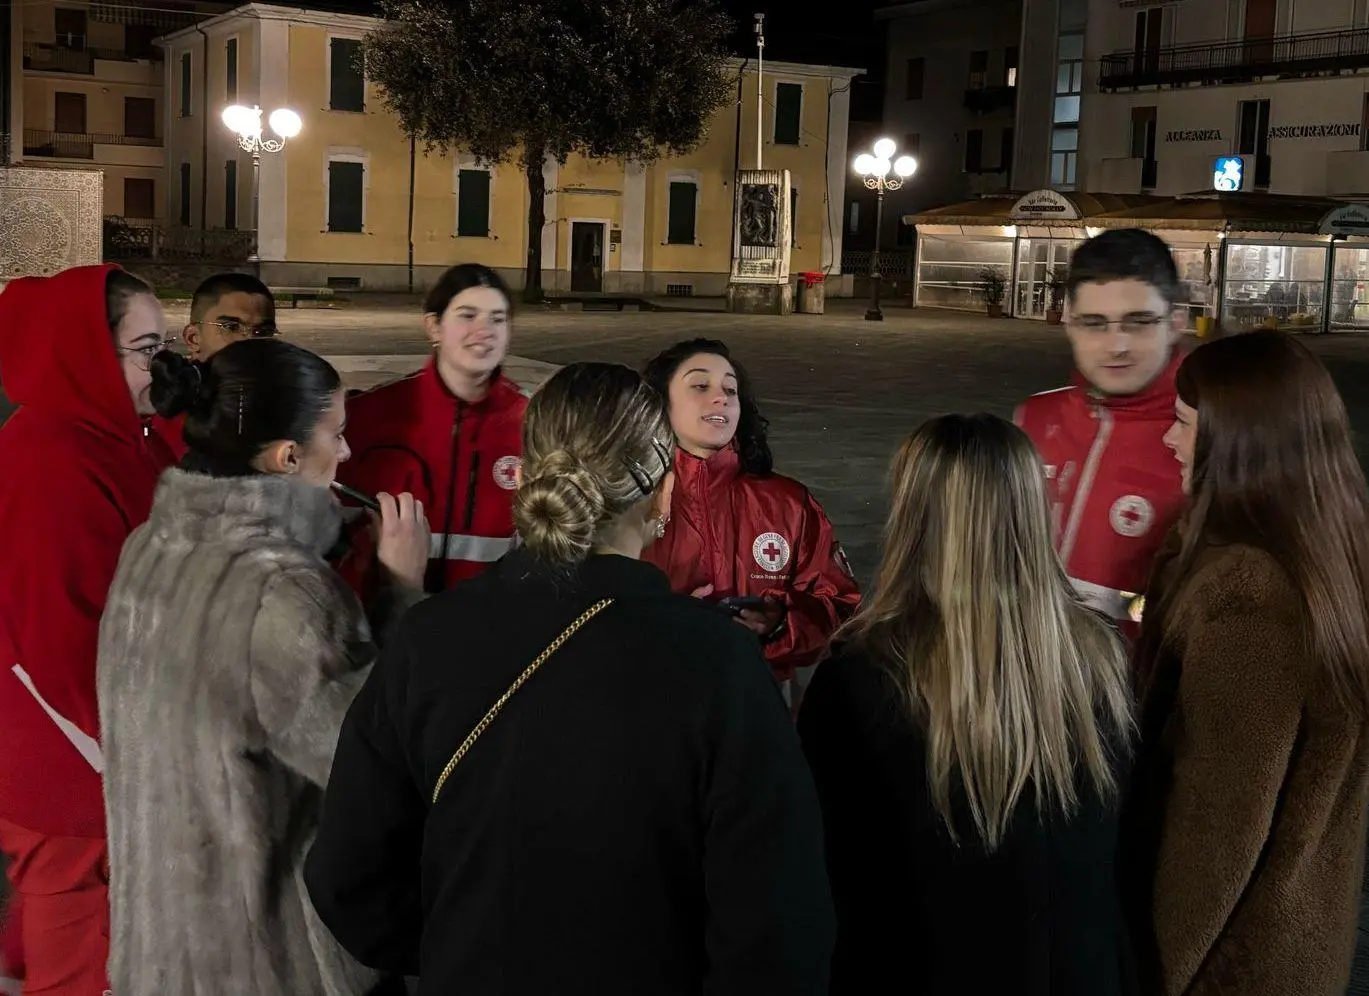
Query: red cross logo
x=1131 y=515
x=506 y=472
x=771 y=551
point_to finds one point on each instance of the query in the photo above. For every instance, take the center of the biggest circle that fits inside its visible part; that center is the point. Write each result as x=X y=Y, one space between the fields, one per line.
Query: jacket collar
x=606 y=575
x=1155 y=400
x=692 y=472
x=502 y=393
x=244 y=511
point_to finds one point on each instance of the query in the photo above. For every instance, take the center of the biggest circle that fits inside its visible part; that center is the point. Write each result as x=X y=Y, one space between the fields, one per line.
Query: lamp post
x=874 y=169
x=245 y=124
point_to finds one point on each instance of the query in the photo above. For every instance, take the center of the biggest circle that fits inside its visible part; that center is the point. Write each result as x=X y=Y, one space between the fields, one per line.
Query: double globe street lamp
x=875 y=170
x=245 y=124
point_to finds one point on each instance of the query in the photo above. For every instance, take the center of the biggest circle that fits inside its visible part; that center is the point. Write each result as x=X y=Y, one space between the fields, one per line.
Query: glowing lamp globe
x=865 y=164
x=884 y=148
x=285 y=123
x=905 y=166
x=881 y=167
x=241 y=120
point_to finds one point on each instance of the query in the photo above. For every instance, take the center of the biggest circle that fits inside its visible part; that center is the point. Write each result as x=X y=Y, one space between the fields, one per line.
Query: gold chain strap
x=518 y=683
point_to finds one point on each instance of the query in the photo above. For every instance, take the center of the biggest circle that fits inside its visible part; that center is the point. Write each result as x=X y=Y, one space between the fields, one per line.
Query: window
x=1149 y=24
x=853 y=222
x=1064 y=156
x=917 y=72
x=974 y=151
x=230 y=69
x=69 y=113
x=1254 y=138
x=473 y=203
x=684 y=206
x=140 y=198
x=347 y=86
x=185 y=195
x=185 y=84
x=1010 y=66
x=138 y=41
x=70 y=28
x=140 y=117
x=345 y=191
x=788 y=113
x=230 y=194
x=793 y=217
x=912 y=144
x=1069 y=79
x=1143 y=132
x=1006 y=144
x=979 y=70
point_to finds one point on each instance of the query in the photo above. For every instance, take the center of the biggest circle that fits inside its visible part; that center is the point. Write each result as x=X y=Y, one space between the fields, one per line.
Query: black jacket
x=1039 y=916
x=639 y=818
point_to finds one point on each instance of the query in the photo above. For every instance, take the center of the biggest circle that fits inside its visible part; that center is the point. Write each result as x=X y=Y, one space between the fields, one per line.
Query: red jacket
x=171 y=432
x=750 y=535
x=460 y=460
x=78 y=476
x=1114 y=486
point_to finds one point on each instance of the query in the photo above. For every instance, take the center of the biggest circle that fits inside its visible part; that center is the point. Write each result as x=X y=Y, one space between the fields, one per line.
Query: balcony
x=46 y=58
x=76 y=145
x=1215 y=63
x=986 y=100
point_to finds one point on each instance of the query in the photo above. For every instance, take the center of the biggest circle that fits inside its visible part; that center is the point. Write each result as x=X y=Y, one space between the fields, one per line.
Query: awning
x=1244 y=212
x=1034 y=207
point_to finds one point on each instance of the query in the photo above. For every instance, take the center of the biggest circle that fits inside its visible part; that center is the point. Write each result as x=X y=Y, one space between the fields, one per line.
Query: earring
x=658 y=524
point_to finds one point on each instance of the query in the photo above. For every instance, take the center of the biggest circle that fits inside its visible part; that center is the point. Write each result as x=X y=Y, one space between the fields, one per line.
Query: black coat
x=1039 y=916
x=639 y=818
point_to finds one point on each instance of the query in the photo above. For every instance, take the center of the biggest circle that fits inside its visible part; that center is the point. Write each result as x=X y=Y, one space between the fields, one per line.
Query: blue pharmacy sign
x=1228 y=174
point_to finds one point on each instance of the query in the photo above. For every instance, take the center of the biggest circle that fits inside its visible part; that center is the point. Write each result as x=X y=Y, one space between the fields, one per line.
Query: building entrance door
x=1035 y=259
x=586 y=256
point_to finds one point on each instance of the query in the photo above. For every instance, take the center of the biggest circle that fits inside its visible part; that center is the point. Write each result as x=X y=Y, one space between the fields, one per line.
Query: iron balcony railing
x=45 y=58
x=1237 y=61
x=77 y=145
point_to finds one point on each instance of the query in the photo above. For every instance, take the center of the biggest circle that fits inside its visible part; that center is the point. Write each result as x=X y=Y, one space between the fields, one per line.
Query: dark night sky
x=831 y=33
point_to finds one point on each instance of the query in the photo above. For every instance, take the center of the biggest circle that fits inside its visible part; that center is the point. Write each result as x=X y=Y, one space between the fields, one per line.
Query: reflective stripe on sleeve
x=85 y=745
x=473 y=549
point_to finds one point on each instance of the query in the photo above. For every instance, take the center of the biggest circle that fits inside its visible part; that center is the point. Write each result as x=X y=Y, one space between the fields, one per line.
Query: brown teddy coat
x=1244 y=832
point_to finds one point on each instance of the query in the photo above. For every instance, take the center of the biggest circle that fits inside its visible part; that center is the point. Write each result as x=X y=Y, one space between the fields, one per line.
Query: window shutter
x=344 y=196
x=788 y=111
x=347 y=87
x=473 y=203
x=684 y=199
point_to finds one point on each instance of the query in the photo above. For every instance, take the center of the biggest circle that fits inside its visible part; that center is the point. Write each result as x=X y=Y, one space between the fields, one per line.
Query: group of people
x=516 y=713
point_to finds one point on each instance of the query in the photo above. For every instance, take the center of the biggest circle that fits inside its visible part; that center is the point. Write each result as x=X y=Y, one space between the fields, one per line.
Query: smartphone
x=360 y=497
x=735 y=604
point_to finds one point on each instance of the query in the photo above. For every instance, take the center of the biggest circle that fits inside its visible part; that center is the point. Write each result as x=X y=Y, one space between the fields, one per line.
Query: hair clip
x=662 y=451
x=242 y=403
x=640 y=475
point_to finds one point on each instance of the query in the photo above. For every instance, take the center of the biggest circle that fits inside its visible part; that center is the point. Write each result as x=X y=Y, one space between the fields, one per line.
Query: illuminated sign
x=1228 y=174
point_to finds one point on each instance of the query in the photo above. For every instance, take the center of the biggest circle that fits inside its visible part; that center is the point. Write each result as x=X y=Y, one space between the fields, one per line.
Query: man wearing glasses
x=1114 y=487
x=226 y=308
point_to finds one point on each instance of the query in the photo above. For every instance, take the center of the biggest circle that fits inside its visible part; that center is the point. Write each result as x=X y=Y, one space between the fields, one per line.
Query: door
x=69 y=24
x=1035 y=259
x=1149 y=25
x=587 y=256
x=1259 y=30
x=69 y=113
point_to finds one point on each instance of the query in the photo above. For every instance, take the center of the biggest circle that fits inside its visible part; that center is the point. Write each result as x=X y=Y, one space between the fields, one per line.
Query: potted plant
x=1055 y=292
x=993 y=285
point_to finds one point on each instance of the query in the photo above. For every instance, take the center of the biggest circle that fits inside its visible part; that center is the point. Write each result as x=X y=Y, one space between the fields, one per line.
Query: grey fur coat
x=229 y=653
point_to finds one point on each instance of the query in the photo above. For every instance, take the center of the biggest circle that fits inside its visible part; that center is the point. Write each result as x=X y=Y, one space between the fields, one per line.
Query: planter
x=1053 y=316
x=995 y=311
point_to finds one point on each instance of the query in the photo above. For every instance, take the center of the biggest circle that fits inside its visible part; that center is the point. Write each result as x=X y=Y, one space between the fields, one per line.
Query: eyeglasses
x=232 y=326
x=142 y=355
x=1131 y=324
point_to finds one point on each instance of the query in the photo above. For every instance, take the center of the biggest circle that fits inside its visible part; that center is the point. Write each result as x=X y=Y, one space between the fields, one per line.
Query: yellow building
x=335 y=204
x=86 y=92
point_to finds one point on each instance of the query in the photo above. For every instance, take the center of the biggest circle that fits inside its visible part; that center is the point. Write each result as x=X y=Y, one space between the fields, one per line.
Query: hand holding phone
x=736 y=604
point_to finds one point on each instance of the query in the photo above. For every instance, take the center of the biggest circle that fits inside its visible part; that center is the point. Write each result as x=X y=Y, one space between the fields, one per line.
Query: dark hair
x=1125 y=254
x=212 y=288
x=121 y=287
x=460 y=278
x=248 y=395
x=751 y=440
x=1274 y=468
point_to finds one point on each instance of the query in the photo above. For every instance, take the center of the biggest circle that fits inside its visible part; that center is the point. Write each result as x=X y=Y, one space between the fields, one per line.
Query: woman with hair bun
x=229 y=653
x=563 y=778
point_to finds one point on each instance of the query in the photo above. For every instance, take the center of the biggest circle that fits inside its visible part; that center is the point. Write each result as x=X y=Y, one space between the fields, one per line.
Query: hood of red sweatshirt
x=57 y=354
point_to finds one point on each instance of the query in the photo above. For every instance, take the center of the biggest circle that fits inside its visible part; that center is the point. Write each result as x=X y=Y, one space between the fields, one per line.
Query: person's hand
x=764 y=621
x=703 y=592
x=402 y=544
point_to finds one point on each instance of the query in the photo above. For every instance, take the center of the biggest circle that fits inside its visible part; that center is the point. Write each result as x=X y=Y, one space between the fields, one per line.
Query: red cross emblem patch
x=771 y=551
x=1131 y=515
x=506 y=472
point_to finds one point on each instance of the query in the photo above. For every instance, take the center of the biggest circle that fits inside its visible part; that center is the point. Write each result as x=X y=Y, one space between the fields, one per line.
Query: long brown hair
x=1012 y=679
x=1274 y=468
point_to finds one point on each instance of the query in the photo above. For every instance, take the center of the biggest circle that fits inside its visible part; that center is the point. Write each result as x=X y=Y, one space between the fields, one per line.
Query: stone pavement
x=840 y=392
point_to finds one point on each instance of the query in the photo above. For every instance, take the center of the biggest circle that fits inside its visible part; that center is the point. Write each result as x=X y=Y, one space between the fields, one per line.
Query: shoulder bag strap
x=518 y=683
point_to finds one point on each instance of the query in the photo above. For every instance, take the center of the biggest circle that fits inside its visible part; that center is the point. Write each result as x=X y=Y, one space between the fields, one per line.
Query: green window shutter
x=788 y=112
x=344 y=196
x=473 y=203
x=347 y=86
x=684 y=197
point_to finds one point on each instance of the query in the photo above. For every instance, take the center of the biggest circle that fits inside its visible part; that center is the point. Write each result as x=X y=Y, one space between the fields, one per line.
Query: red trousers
x=63 y=886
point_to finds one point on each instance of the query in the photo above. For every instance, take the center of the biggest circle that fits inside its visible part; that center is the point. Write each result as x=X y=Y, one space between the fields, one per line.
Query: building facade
x=86 y=92
x=334 y=205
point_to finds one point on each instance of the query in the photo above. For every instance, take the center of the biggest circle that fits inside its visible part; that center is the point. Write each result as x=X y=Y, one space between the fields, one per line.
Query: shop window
x=346 y=190
x=948 y=270
x=473 y=203
x=1350 y=288
x=1279 y=286
x=346 y=84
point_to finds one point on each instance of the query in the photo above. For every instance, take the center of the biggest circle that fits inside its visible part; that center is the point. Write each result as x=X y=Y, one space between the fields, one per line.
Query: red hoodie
x=78 y=476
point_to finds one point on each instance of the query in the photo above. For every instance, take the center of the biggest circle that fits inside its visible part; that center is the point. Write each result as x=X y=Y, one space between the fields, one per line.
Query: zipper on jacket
x=470 y=492
x=436 y=578
x=1086 y=475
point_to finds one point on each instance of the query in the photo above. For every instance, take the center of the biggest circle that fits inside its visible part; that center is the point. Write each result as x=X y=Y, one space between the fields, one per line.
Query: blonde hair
x=1013 y=680
x=596 y=443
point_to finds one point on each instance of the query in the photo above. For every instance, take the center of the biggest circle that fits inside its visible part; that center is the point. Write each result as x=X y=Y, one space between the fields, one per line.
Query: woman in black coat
x=637 y=817
x=967 y=738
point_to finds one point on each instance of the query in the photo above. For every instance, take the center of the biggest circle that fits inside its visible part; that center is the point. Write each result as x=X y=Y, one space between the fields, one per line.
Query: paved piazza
x=840 y=392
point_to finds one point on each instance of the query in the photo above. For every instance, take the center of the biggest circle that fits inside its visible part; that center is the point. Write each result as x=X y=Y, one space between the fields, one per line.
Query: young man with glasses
x=226 y=308
x=1114 y=487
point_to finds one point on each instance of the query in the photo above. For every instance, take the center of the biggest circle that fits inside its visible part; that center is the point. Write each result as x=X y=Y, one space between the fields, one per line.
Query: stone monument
x=50 y=219
x=762 y=236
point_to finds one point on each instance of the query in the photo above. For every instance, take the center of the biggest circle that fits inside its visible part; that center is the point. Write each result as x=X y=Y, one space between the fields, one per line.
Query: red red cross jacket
x=78 y=475
x=750 y=535
x=459 y=459
x=1114 y=486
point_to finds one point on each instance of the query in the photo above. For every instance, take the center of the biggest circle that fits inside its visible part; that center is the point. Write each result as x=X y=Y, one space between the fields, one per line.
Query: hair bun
x=558 y=510
x=177 y=383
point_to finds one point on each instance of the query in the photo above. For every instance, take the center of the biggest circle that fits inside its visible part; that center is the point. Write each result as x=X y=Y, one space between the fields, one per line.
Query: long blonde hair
x=1012 y=679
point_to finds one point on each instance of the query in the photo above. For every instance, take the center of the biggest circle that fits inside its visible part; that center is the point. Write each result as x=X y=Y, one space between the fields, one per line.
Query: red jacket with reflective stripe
x=1114 y=486
x=459 y=459
x=750 y=535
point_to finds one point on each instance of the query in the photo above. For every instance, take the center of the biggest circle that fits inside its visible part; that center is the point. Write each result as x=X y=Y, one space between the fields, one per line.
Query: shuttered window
x=347 y=87
x=344 y=196
x=473 y=203
x=788 y=113
x=684 y=200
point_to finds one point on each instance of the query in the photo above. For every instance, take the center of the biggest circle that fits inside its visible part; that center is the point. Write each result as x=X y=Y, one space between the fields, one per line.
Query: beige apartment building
x=85 y=89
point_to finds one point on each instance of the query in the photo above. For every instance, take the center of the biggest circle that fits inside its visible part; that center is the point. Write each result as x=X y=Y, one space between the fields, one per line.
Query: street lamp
x=875 y=169
x=245 y=124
